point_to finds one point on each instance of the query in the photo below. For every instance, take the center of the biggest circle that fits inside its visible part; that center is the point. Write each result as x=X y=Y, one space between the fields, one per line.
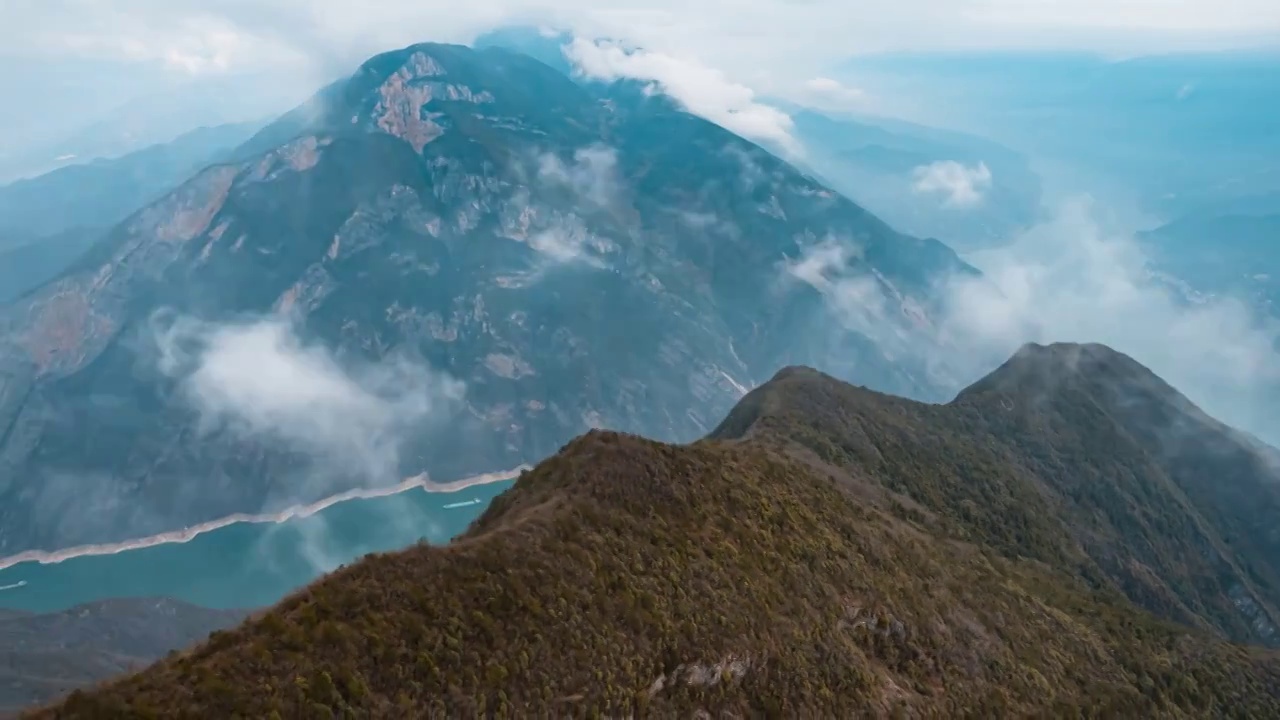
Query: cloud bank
x=1073 y=279
x=702 y=90
x=208 y=35
x=829 y=94
x=258 y=379
x=1070 y=279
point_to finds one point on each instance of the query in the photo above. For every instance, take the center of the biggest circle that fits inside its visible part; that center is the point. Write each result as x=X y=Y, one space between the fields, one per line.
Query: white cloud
x=824 y=93
x=746 y=35
x=565 y=243
x=592 y=176
x=856 y=298
x=960 y=186
x=702 y=90
x=259 y=380
x=594 y=184
x=1071 y=280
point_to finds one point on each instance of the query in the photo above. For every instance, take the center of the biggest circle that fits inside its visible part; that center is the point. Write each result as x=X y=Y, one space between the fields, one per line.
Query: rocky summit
x=1068 y=538
x=486 y=259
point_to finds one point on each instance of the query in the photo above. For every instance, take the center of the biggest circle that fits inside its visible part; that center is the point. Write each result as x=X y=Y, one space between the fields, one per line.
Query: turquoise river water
x=247 y=565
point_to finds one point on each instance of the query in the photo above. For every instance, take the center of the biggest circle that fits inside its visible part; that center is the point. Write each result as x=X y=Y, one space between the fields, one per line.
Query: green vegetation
x=828 y=553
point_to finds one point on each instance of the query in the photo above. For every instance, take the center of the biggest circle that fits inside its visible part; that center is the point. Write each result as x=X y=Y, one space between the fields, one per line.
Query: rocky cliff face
x=480 y=258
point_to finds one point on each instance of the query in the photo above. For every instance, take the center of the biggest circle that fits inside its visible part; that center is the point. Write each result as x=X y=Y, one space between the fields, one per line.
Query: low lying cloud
x=259 y=379
x=593 y=185
x=1070 y=279
x=592 y=176
x=565 y=244
x=702 y=90
x=828 y=94
x=855 y=296
x=960 y=186
x=1074 y=280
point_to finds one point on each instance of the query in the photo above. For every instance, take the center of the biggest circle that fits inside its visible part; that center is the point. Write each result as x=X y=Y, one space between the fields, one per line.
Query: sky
x=754 y=39
x=208 y=35
x=76 y=59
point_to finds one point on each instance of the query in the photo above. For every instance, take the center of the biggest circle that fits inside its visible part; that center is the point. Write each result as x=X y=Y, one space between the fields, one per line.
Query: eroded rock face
x=574 y=263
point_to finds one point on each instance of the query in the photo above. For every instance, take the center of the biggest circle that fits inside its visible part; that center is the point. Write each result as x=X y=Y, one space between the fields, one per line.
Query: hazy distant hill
x=44 y=656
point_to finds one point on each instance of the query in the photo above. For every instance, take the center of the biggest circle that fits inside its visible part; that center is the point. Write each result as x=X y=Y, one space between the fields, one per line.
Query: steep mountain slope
x=444 y=211
x=47 y=655
x=759 y=575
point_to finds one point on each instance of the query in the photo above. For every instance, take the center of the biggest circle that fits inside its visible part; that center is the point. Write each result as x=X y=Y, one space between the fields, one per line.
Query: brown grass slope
x=850 y=574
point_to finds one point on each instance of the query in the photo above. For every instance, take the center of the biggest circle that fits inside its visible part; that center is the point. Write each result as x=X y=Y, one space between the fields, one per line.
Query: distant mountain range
x=48 y=655
x=49 y=221
x=446 y=217
x=101 y=192
x=1176 y=134
x=826 y=551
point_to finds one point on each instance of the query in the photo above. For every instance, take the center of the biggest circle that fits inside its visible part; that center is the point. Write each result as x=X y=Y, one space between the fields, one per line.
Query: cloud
x=702 y=90
x=824 y=93
x=960 y=186
x=1074 y=280
x=565 y=243
x=258 y=379
x=1071 y=279
x=762 y=35
x=593 y=185
x=592 y=175
x=854 y=295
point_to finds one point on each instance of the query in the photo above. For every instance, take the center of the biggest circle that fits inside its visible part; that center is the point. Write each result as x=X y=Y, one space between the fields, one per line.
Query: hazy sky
x=73 y=59
x=746 y=36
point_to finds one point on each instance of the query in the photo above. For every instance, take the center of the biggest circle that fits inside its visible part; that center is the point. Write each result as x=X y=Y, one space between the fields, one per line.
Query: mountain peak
x=1041 y=371
x=424 y=91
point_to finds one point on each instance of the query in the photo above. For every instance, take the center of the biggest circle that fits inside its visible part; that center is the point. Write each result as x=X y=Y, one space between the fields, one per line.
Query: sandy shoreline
x=297 y=511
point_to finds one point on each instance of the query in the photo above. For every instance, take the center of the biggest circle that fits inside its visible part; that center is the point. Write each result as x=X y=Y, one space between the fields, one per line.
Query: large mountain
x=828 y=552
x=49 y=654
x=444 y=218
